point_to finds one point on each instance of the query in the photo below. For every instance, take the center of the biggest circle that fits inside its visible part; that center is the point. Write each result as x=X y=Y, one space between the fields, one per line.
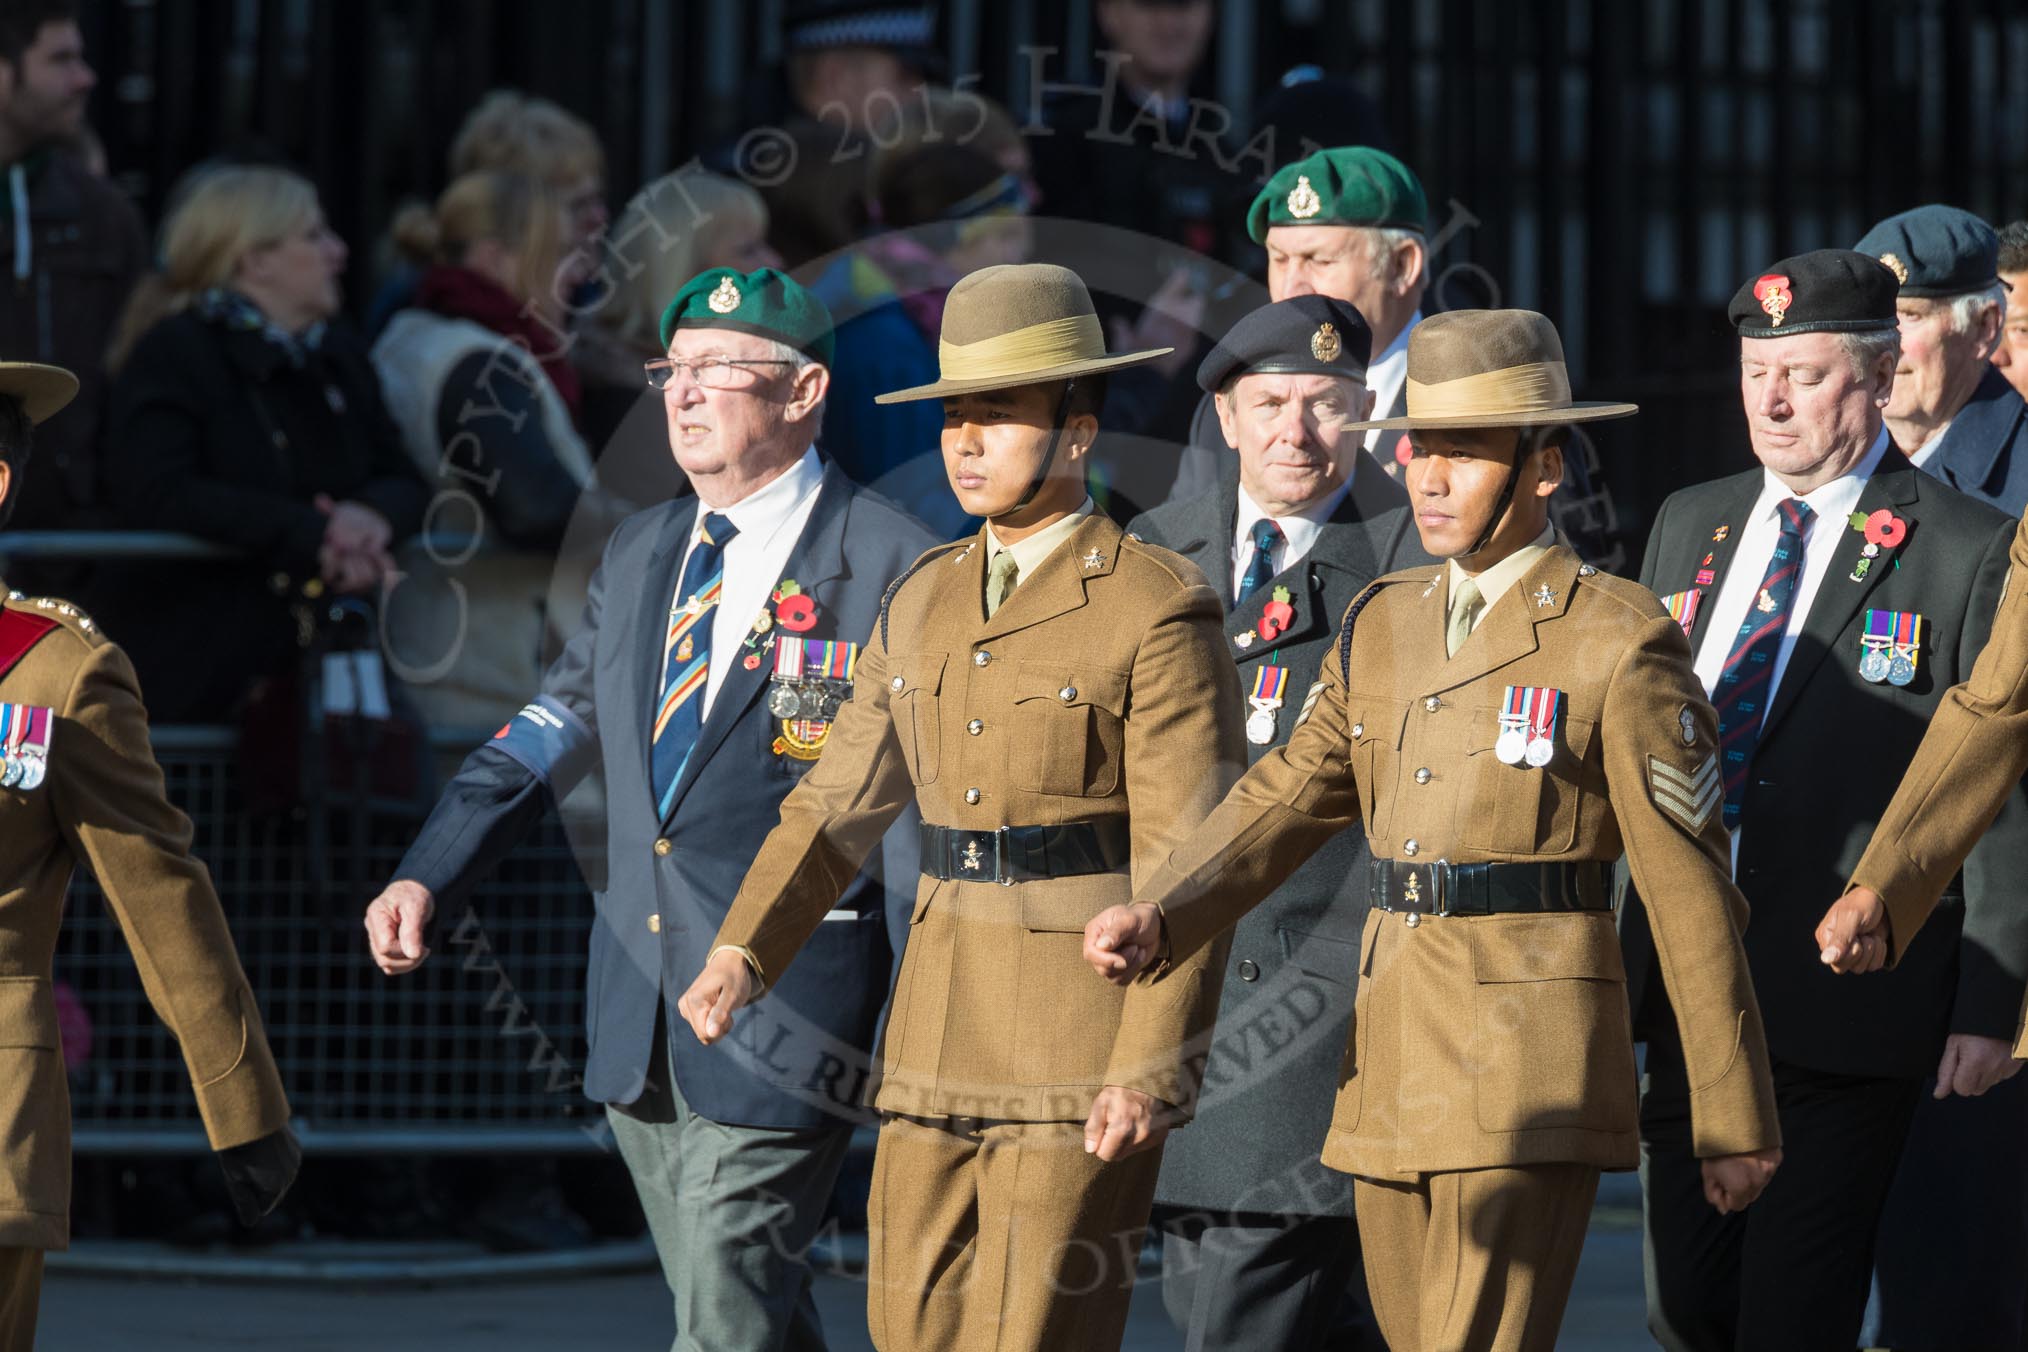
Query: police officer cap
x=763 y=302
x=1303 y=335
x=1827 y=291
x=1936 y=251
x=1344 y=185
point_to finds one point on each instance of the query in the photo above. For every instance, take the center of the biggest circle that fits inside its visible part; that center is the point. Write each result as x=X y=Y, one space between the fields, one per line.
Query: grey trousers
x=1232 y=1282
x=733 y=1211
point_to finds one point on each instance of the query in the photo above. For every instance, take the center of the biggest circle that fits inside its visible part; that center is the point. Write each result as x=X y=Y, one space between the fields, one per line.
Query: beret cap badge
x=1775 y=296
x=725 y=298
x=1896 y=266
x=1325 y=344
x=1303 y=199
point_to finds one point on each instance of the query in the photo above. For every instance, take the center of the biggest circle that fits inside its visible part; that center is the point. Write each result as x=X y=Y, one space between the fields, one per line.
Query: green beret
x=763 y=302
x=1345 y=185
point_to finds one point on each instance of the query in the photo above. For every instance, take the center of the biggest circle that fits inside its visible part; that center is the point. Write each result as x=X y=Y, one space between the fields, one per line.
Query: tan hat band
x=1537 y=387
x=1054 y=342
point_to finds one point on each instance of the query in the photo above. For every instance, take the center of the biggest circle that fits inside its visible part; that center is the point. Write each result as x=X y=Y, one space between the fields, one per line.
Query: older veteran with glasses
x=716 y=646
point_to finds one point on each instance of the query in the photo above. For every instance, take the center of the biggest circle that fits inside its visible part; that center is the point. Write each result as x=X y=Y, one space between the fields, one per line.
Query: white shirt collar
x=762 y=512
x=1833 y=501
x=1920 y=456
x=1299 y=529
x=1386 y=374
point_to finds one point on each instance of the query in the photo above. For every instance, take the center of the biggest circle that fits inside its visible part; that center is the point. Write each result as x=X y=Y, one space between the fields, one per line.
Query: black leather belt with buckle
x=1443 y=888
x=1022 y=854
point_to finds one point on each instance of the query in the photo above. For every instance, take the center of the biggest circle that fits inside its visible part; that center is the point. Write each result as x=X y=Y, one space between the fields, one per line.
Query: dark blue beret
x=1936 y=251
x=1303 y=335
x=1825 y=291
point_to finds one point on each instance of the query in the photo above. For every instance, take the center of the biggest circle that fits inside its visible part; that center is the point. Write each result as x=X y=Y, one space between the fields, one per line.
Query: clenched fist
x=1122 y=940
x=725 y=985
x=394 y=926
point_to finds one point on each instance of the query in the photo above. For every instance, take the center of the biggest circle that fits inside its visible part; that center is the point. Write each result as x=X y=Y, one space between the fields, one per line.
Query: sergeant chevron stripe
x=1309 y=703
x=1689 y=798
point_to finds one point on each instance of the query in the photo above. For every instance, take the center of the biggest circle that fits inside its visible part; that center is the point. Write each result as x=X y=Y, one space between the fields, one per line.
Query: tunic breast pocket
x=1069 y=731
x=912 y=704
x=1523 y=809
x=1374 y=725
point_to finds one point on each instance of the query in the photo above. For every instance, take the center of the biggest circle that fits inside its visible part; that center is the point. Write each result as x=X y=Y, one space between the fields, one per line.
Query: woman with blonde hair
x=245 y=414
x=478 y=376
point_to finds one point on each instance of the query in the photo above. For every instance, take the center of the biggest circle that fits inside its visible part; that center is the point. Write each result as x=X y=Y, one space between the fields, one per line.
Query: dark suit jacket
x=1831 y=751
x=1985 y=451
x=1290 y=978
x=803 y=1059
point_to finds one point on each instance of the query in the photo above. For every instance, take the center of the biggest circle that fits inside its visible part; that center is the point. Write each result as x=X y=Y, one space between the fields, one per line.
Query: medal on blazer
x=1547 y=708
x=1683 y=607
x=1512 y=745
x=1889 y=646
x=811 y=681
x=24 y=745
x=1268 y=684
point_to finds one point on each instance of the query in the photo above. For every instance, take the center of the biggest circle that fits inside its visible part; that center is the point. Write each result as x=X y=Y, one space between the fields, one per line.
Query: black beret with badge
x=1303 y=335
x=1936 y=251
x=1824 y=291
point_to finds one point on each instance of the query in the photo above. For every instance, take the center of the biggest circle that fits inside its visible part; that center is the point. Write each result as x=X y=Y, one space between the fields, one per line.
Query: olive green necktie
x=1000 y=579
x=1466 y=603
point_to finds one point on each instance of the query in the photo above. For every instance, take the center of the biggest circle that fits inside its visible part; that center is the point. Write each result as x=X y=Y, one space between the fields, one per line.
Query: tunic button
x=663 y=846
x=654 y=924
x=971 y=795
x=1422 y=776
x=897 y=683
x=975 y=727
x=1409 y=847
x=1248 y=971
x=1432 y=704
x=981 y=658
x=1358 y=729
x=1068 y=693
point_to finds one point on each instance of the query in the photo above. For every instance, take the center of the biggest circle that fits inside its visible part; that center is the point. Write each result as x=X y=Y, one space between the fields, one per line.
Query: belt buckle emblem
x=970 y=862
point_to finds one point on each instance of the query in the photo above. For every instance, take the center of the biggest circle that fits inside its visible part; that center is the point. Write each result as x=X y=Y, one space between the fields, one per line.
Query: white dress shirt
x=1385 y=375
x=1829 y=507
x=1299 y=531
x=770 y=521
x=1921 y=455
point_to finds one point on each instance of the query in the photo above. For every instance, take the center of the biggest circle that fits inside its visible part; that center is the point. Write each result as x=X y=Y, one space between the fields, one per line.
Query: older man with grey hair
x=1952 y=414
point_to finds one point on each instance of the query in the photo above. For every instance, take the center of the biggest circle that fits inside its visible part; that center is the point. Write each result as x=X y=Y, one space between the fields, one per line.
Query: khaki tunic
x=1482 y=1041
x=102 y=806
x=1973 y=755
x=1099 y=691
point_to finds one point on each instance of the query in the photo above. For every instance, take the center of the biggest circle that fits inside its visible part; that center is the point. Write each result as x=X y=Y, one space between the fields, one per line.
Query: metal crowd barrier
x=479 y=1050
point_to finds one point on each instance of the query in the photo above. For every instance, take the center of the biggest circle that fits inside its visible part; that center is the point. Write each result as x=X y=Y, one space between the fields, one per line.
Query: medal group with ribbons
x=1890 y=646
x=1528 y=718
x=1264 y=697
x=24 y=745
x=811 y=681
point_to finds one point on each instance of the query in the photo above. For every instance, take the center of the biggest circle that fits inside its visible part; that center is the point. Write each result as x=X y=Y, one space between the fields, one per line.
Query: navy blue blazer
x=1984 y=452
x=799 y=1059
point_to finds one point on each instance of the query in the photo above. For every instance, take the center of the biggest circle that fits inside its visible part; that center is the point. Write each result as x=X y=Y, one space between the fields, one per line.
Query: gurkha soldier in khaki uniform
x=1503 y=725
x=1972 y=757
x=1056 y=698
x=79 y=785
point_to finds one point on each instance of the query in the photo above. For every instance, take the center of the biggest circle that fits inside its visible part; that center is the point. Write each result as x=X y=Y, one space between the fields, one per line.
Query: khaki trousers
x=1480 y=1260
x=20 y=1294
x=1001 y=1237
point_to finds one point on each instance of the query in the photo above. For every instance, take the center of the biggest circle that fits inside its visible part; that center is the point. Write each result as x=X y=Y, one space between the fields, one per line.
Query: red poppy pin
x=1884 y=528
x=1276 y=616
x=1774 y=296
x=794 y=609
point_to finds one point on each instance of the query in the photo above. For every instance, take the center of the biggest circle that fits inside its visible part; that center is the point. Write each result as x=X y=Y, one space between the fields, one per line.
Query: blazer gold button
x=981 y=658
x=1432 y=704
x=1409 y=847
x=897 y=683
x=1069 y=692
x=663 y=845
x=975 y=727
x=1248 y=970
x=1358 y=729
x=971 y=795
x=1422 y=776
x=654 y=924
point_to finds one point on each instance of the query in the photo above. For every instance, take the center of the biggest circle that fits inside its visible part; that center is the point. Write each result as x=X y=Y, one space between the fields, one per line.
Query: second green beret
x=763 y=302
x=1345 y=185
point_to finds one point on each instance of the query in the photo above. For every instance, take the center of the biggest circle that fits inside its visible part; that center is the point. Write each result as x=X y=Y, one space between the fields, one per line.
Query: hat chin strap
x=1506 y=498
x=1048 y=456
